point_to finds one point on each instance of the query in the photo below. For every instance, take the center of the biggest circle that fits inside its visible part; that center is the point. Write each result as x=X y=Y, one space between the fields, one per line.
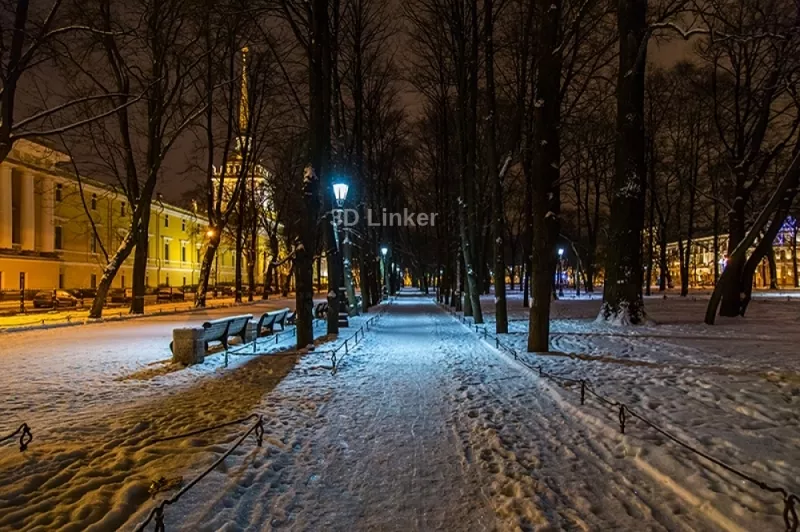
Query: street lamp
x=560 y=275
x=384 y=251
x=340 y=189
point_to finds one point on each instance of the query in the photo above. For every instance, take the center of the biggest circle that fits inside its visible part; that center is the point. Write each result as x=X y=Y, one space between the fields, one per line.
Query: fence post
x=622 y=418
x=583 y=391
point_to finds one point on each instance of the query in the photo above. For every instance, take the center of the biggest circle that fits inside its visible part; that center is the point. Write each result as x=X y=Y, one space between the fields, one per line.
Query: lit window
x=59 y=239
x=94 y=202
x=166 y=220
x=183 y=225
x=183 y=253
x=166 y=251
x=93 y=243
x=58 y=192
x=122 y=209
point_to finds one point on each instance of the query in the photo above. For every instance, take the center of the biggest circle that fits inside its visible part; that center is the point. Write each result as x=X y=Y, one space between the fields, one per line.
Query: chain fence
x=623 y=411
x=157 y=513
x=353 y=340
x=25 y=436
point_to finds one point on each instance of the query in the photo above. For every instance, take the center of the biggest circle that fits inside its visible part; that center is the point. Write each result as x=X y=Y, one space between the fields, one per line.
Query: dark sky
x=180 y=177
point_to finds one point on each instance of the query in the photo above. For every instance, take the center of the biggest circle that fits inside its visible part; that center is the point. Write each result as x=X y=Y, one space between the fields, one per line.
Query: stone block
x=187 y=346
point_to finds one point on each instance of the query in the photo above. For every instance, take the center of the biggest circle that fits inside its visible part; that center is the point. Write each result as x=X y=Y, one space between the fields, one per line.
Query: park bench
x=268 y=321
x=291 y=318
x=222 y=329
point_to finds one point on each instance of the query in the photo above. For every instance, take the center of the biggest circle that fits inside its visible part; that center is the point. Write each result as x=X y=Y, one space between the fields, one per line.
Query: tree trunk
x=546 y=166
x=140 y=262
x=794 y=255
x=110 y=272
x=495 y=177
x=205 y=269
x=622 y=294
x=732 y=276
x=773 y=269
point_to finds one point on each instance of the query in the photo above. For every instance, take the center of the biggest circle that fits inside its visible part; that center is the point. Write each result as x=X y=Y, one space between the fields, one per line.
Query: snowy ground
x=732 y=389
x=424 y=427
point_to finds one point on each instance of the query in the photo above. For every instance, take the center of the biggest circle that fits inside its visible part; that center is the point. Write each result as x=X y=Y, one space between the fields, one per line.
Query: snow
x=732 y=389
x=424 y=426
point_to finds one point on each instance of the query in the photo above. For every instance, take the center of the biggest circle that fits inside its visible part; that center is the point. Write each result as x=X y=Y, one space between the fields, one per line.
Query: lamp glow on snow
x=340 y=192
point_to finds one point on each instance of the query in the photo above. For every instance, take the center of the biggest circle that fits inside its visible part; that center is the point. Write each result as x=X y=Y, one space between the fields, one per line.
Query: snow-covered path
x=425 y=427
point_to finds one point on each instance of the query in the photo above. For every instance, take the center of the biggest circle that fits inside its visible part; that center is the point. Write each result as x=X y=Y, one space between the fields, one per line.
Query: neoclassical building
x=46 y=236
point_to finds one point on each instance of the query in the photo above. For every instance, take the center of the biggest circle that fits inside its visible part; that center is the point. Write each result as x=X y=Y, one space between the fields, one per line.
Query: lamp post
x=560 y=277
x=384 y=251
x=210 y=234
x=340 y=189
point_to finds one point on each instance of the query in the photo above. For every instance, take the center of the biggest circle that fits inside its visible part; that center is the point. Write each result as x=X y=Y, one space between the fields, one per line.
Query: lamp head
x=340 y=192
x=560 y=252
x=384 y=251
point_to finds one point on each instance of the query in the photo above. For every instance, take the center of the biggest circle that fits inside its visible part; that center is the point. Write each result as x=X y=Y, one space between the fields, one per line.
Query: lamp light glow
x=340 y=192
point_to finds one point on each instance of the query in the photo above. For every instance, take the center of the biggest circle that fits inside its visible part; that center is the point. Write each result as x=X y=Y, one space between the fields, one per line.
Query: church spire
x=244 y=111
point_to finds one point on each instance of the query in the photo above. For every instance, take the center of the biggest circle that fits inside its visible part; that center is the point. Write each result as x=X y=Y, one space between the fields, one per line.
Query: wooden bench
x=268 y=321
x=222 y=329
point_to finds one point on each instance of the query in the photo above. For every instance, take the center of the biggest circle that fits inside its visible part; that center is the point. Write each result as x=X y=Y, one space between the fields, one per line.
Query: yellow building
x=46 y=236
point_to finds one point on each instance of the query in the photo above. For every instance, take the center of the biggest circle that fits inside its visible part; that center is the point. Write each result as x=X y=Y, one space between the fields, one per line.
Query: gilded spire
x=244 y=101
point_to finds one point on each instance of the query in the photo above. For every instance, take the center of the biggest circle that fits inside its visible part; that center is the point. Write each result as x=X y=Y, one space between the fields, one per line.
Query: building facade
x=702 y=260
x=47 y=240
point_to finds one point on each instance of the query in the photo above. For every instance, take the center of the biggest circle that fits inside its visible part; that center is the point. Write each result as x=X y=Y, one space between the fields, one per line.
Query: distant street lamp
x=560 y=274
x=384 y=251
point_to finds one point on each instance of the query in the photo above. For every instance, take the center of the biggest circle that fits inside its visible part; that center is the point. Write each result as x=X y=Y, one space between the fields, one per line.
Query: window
x=94 y=202
x=166 y=282
x=123 y=282
x=183 y=225
x=61 y=280
x=93 y=281
x=93 y=243
x=58 y=192
x=166 y=251
x=183 y=253
x=122 y=209
x=2 y=283
x=59 y=241
x=198 y=254
x=184 y=281
x=147 y=279
x=166 y=220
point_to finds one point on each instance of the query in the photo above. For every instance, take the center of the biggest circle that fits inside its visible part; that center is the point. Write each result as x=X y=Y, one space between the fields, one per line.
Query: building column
x=6 y=209
x=47 y=214
x=27 y=212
